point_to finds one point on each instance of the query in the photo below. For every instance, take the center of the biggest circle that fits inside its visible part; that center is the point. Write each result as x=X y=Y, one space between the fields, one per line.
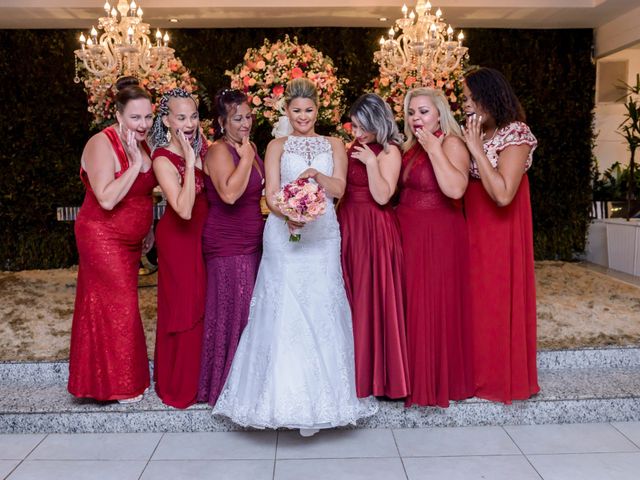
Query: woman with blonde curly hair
x=433 y=179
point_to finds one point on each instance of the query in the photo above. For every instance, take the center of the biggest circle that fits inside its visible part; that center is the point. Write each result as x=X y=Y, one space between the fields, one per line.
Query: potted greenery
x=630 y=130
x=623 y=235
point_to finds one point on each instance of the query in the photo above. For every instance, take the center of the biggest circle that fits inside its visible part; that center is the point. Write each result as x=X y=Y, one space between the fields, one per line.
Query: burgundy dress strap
x=179 y=163
x=117 y=146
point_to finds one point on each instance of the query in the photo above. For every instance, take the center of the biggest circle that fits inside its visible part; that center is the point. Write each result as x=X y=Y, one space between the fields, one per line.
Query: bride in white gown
x=294 y=366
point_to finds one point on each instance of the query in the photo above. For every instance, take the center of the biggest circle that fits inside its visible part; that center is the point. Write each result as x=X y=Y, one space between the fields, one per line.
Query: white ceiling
x=81 y=14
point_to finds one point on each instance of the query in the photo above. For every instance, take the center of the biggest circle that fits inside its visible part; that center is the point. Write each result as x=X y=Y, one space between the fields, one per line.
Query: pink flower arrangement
x=101 y=92
x=394 y=88
x=265 y=71
x=302 y=201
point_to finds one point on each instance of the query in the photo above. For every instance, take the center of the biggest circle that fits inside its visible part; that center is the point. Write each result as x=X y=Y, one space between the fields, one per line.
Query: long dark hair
x=129 y=89
x=492 y=91
x=226 y=101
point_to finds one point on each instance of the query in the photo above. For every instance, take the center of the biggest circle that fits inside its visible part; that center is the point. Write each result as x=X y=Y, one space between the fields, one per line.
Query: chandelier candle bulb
x=107 y=7
x=132 y=7
x=139 y=12
x=438 y=14
x=404 y=10
x=460 y=38
x=114 y=12
x=130 y=34
x=165 y=39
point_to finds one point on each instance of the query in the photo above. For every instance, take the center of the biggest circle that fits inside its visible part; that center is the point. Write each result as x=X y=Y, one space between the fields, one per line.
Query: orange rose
x=296 y=73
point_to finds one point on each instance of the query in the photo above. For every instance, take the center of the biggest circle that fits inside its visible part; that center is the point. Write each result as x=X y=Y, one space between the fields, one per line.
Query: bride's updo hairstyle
x=301 y=88
x=128 y=89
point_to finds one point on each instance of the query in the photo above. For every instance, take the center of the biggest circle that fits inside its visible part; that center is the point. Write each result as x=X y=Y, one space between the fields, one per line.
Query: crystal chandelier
x=424 y=49
x=124 y=47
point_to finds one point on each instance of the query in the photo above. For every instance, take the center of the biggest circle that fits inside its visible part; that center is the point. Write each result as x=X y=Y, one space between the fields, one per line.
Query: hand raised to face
x=187 y=149
x=364 y=154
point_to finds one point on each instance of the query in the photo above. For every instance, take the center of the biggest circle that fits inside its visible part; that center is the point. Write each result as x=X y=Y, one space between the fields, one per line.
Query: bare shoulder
x=276 y=145
x=218 y=149
x=453 y=141
x=392 y=151
x=336 y=144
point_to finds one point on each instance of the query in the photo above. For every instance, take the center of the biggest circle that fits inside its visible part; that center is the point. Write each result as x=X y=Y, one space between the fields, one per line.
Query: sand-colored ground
x=576 y=308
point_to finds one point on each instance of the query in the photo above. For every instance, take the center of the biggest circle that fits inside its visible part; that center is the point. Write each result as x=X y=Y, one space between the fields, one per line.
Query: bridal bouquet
x=301 y=201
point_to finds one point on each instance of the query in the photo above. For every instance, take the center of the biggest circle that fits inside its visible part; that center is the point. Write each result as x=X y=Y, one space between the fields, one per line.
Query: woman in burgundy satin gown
x=434 y=174
x=177 y=162
x=232 y=238
x=108 y=355
x=498 y=211
x=372 y=262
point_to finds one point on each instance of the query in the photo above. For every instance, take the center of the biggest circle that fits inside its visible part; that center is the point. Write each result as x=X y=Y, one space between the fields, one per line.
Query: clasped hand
x=473 y=135
x=133 y=148
x=428 y=140
x=187 y=149
x=364 y=154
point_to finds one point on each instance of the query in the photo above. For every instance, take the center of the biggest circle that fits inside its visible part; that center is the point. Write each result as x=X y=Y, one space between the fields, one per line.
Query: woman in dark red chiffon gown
x=498 y=211
x=436 y=252
x=372 y=263
x=232 y=238
x=108 y=355
x=181 y=276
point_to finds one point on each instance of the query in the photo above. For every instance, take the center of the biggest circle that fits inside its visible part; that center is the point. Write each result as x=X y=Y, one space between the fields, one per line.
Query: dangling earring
x=222 y=130
x=168 y=136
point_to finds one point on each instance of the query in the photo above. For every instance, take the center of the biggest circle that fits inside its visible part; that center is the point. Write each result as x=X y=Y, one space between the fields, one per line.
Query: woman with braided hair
x=177 y=156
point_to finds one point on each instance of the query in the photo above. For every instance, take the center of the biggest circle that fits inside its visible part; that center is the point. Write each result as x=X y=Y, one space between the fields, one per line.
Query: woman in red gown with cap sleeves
x=498 y=211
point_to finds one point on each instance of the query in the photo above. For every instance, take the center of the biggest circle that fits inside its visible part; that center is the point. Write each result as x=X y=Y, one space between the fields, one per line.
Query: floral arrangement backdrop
x=264 y=72
x=394 y=88
x=101 y=92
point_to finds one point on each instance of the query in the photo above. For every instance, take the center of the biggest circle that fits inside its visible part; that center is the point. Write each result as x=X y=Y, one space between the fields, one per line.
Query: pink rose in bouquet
x=302 y=201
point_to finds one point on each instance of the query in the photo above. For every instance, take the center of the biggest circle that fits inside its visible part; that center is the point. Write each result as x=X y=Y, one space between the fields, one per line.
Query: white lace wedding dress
x=294 y=366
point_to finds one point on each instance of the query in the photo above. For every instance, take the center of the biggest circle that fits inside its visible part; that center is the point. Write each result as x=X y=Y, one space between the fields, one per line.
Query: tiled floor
x=550 y=452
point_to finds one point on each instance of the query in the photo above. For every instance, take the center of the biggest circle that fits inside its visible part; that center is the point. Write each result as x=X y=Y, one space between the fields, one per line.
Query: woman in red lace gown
x=498 y=211
x=108 y=355
x=434 y=173
x=372 y=263
x=181 y=274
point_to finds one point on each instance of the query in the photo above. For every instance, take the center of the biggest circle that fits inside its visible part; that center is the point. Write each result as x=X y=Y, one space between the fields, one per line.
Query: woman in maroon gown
x=434 y=173
x=372 y=263
x=108 y=355
x=177 y=162
x=232 y=238
x=498 y=211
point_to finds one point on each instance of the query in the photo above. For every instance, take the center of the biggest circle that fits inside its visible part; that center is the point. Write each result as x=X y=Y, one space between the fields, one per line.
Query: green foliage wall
x=44 y=122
